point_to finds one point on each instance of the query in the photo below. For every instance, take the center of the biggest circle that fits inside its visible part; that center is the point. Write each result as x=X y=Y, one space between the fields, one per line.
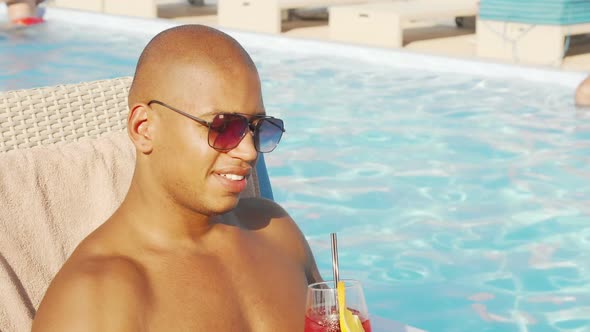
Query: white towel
x=50 y=199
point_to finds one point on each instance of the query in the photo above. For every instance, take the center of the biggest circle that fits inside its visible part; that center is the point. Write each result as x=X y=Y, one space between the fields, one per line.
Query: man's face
x=194 y=174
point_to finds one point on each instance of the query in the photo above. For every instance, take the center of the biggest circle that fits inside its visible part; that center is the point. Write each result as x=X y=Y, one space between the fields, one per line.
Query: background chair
x=533 y=31
x=265 y=15
x=383 y=23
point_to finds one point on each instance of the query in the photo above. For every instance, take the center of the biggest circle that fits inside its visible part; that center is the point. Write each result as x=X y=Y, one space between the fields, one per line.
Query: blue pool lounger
x=530 y=31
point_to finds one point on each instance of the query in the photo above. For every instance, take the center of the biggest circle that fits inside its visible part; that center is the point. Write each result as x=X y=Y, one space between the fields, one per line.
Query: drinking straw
x=335 y=259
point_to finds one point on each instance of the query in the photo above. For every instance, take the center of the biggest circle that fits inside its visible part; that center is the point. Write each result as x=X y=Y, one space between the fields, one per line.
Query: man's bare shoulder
x=271 y=219
x=94 y=293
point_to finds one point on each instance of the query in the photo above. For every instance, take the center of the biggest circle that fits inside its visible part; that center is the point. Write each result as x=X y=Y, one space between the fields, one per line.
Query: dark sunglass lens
x=268 y=134
x=227 y=130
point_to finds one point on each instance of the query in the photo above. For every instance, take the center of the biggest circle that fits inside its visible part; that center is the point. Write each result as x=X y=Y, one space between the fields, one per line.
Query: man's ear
x=138 y=127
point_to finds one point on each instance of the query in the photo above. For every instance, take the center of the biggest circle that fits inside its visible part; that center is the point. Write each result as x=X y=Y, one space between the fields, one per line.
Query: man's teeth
x=233 y=177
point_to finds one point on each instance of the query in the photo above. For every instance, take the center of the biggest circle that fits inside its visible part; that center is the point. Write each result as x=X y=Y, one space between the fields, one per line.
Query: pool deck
x=436 y=37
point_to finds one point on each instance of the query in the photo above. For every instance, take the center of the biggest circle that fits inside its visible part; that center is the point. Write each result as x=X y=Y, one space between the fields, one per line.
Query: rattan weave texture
x=62 y=113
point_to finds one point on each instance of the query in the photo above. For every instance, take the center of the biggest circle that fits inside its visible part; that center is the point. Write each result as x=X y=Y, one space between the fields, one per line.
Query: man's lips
x=233 y=178
x=234 y=173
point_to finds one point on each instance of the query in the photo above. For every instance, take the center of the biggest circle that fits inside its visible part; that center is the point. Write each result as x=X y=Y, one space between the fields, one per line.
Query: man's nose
x=246 y=149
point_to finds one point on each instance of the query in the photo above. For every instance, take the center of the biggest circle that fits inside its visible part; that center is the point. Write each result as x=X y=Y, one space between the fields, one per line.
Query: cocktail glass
x=322 y=314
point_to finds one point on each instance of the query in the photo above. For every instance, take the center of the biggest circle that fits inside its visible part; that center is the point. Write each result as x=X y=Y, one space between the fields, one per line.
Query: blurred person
x=23 y=12
x=583 y=93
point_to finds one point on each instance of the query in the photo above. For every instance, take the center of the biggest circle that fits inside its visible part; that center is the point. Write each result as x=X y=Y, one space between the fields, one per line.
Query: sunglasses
x=227 y=130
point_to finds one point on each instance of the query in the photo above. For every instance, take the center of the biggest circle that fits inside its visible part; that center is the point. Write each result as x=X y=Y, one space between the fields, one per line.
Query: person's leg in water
x=23 y=12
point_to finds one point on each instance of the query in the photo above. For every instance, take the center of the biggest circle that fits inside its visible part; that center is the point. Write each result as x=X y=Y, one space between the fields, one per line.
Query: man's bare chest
x=252 y=290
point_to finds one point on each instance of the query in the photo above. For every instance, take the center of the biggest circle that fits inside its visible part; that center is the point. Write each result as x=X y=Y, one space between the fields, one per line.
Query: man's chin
x=225 y=205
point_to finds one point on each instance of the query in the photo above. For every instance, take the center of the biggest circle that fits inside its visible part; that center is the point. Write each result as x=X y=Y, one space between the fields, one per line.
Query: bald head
x=191 y=54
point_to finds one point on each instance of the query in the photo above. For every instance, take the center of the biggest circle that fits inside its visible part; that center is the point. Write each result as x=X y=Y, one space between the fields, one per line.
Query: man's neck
x=160 y=222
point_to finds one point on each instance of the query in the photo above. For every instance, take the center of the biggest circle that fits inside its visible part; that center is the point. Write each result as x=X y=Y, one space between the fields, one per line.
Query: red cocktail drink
x=315 y=322
x=322 y=313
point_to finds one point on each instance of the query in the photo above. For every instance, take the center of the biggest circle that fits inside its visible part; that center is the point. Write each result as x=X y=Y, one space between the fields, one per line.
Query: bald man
x=184 y=252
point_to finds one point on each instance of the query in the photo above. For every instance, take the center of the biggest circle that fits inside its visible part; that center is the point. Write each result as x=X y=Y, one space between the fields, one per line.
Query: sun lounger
x=382 y=24
x=265 y=15
x=65 y=165
x=534 y=32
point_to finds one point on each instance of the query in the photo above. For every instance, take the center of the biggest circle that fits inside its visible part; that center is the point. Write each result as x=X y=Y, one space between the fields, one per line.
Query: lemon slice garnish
x=349 y=322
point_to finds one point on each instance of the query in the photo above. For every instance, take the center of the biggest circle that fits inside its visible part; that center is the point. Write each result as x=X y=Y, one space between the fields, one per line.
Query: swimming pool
x=460 y=191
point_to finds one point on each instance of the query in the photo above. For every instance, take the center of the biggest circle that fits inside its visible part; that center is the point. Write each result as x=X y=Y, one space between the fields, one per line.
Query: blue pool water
x=462 y=201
